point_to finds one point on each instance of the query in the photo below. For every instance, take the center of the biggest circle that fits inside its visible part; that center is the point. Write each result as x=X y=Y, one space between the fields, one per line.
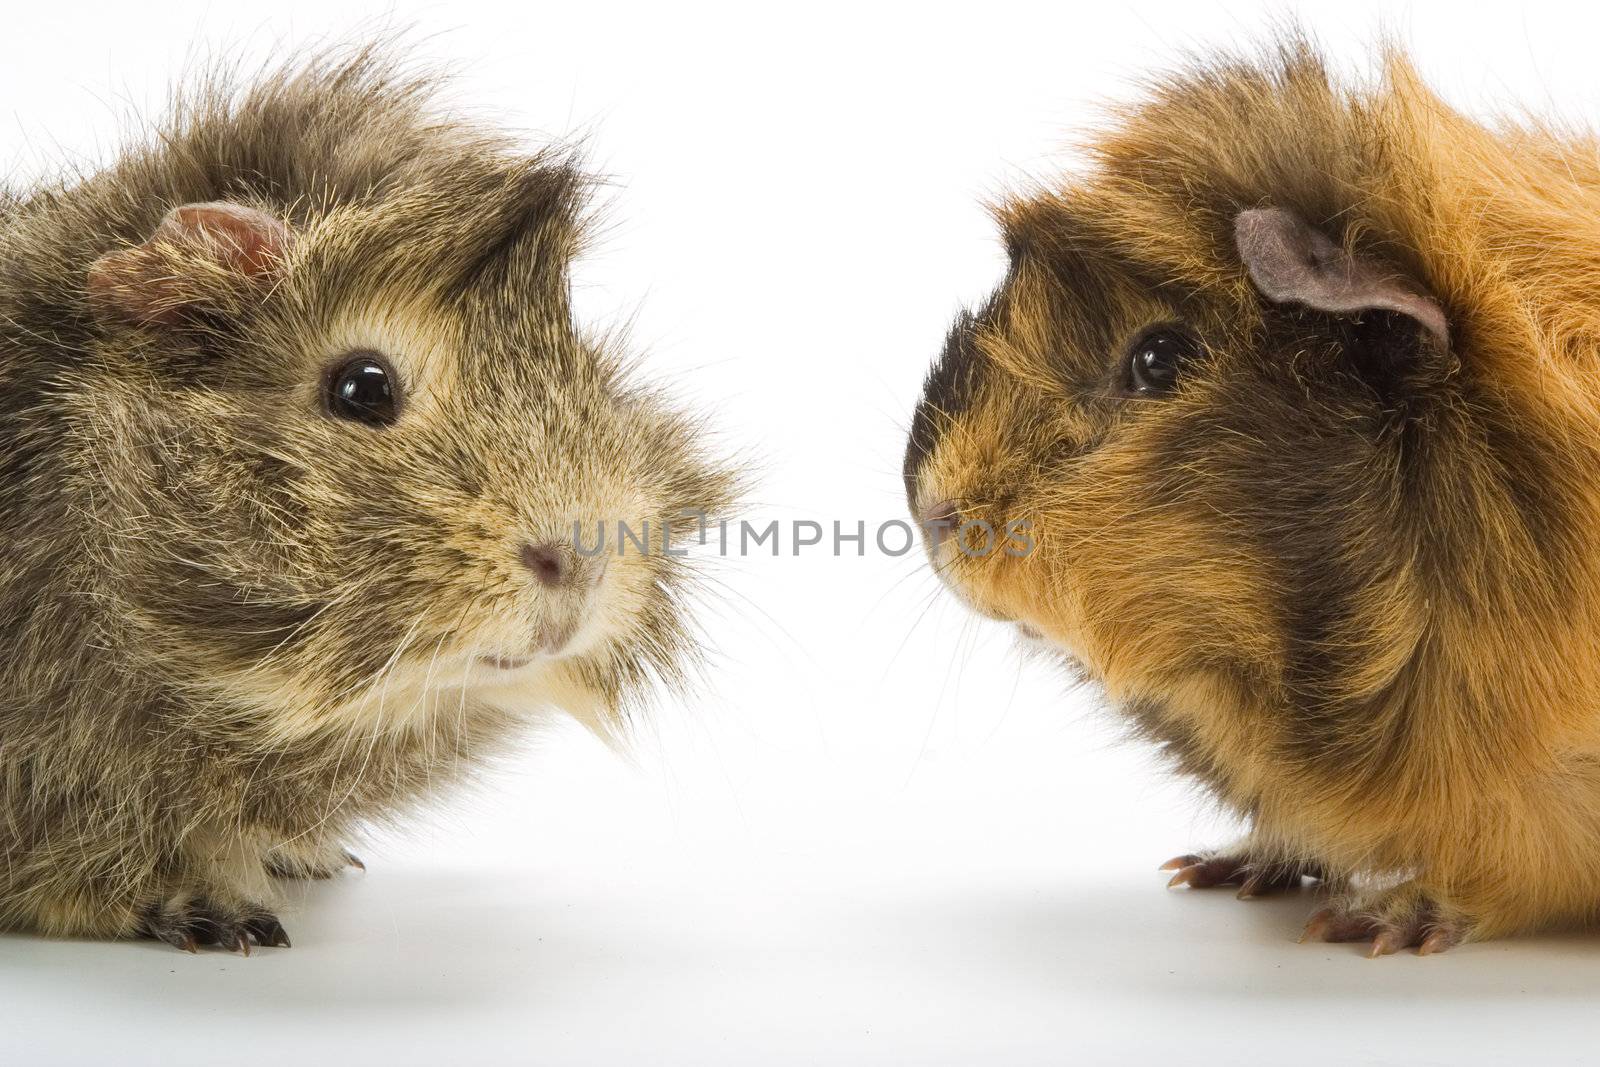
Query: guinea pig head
x=1212 y=421
x=353 y=461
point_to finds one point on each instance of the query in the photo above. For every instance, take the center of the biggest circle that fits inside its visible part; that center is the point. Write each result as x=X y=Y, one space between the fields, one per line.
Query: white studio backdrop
x=875 y=831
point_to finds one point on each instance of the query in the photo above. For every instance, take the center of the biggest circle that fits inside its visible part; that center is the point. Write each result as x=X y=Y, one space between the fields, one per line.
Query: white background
x=877 y=833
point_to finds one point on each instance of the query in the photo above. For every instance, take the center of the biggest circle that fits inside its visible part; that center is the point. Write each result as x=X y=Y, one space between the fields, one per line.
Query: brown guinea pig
x=295 y=429
x=1296 y=387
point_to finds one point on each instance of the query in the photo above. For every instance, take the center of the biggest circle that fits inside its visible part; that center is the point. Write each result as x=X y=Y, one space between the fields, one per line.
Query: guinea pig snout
x=559 y=619
x=557 y=566
x=938 y=519
x=548 y=563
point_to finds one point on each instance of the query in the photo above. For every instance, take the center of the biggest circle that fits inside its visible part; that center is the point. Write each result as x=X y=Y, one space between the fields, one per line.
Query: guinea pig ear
x=1292 y=262
x=196 y=259
x=523 y=232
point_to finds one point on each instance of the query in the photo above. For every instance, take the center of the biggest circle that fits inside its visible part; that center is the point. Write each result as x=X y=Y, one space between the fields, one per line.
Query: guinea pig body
x=296 y=428
x=1296 y=386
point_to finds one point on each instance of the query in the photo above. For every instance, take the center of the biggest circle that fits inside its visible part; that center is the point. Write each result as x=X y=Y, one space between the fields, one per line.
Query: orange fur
x=1362 y=604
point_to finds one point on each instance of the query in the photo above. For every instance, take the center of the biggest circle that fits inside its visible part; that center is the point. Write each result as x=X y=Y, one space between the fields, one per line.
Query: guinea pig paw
x=298 y=867
x=1401 y=919
x=200 y=922
x=1254 y=878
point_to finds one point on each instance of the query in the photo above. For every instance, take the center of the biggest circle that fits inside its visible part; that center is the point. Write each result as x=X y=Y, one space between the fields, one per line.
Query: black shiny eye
x=363 y=389
x=1155 y=362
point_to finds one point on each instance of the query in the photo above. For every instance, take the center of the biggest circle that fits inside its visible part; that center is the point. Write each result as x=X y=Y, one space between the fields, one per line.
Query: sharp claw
x=1387 y=943
x=226 y=935
x=178 y=937
x=1251 y=886
x=268 y=931
x=1439 y=940
x=1184 y=877
x=1317 y=925
x=1177 y=863
x=352 y=860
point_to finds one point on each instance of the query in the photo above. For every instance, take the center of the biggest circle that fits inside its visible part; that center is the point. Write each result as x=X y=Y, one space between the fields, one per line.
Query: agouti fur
x=236 y=624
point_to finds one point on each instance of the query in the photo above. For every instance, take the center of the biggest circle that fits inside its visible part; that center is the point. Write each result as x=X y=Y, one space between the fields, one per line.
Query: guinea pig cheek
x=1143 y=587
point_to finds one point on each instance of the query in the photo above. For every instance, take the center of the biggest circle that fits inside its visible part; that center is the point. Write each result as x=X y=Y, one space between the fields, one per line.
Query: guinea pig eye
x=363 y=389
x=1155 y=362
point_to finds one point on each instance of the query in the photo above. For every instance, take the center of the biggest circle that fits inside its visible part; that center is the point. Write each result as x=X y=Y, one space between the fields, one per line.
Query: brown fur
x=1348 y=577
x=236 y=626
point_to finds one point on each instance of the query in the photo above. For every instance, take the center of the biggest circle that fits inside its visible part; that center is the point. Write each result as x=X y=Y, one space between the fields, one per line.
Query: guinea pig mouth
x=506 y=663
x=548 y=643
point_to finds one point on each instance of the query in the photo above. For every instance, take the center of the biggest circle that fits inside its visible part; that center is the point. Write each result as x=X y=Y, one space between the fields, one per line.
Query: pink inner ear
x=176 y=268
x=1291 y=261
x=245 y=239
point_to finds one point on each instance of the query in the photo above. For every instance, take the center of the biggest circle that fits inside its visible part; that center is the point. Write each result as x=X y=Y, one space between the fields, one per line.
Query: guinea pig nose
x=548 y=562
x=938 y=519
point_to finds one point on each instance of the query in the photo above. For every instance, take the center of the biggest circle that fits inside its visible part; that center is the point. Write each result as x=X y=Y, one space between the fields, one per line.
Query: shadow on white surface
x=410 y=965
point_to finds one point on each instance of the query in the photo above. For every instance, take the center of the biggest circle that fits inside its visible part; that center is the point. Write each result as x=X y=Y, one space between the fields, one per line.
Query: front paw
x=197 y=920
x=1254 y=874
x=1406 y=916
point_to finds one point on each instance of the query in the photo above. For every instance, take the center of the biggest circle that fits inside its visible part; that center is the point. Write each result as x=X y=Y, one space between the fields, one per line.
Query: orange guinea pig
x=1298 y=387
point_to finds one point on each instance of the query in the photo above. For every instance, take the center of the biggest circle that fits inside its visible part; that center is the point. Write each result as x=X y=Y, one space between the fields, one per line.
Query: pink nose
x=939 y=519
x=548 y=563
